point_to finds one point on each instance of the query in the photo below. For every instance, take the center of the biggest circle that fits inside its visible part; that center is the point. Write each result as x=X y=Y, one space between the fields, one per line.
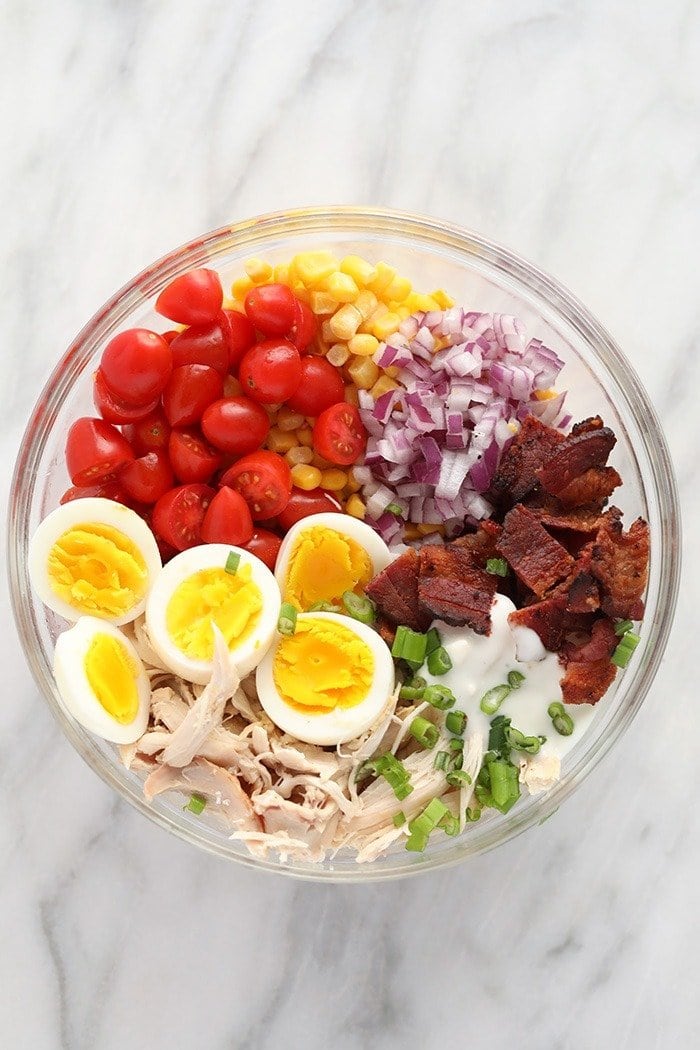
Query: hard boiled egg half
x=94 y=557
x=212 y=584
x=102 y=680
x=329 y=681
x=325 y=555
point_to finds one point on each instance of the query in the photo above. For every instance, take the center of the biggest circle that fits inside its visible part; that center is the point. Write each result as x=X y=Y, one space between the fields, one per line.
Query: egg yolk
x=97 y=570
x=112 y=677
x=230 y=600
x=323 y=665
x=322 y=565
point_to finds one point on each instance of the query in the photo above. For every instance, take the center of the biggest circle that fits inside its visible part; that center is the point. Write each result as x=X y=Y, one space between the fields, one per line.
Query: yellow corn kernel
x=342 y=287
x=397 y=290
x=306 y=477
x=241 y=287
x=361 y=271
x=366 y=303
x=258 y=270
x=430 y=530
x=392 y=371
x=280 y=441
x=232 y=388
x=410 y=532
x=301 y=291
x=443 y=300
x=327 y=331
x=545 y=395
x=313 y=267
x=298 y=454
x=338 y=354
x=320 y=462
x=363 y=372
x=333 y=480
x=382 y=386
x=230 y=303
x=416 y=301
x=345 y=322
x=385 y=275
x=353 y=484
x=403 y=312
x=363 y=345
x=355 y=507
x=287 y=419
x=281 y=273
x=305 y=436
x=323 y=303
x=351 y=397
x=386 y=325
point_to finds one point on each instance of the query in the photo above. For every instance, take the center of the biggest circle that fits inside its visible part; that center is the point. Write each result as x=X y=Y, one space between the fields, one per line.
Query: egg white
x=346 y=525
x=210 y=556
x=342 y=724
x=76 y=693
x=91 y=510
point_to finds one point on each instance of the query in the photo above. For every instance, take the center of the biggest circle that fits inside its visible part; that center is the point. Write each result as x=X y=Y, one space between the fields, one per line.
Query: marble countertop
x=568 y=131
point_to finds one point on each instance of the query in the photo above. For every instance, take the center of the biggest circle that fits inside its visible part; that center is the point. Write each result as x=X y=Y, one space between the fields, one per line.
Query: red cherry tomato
x=136 y=365
x=241 y=336
x=264 y=480
x=206 y=344
x=321 y=386
x=271 y=371
x=106 y=490
x=150 y=434
x=303 y=504
x=147 y=478
x=304 y=328
x=235 y=425
x=178 y=515
x=190 y=389
x=193 y=298
x=191 y=457
x=228 y=519
x=173 y=333
x=94 y=450
x=113 y=410
x=339 y=435
x=271 y=308
x=264 y=545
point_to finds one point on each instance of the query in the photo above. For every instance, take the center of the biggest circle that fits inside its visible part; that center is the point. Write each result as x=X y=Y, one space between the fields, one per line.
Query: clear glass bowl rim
x=254 y=233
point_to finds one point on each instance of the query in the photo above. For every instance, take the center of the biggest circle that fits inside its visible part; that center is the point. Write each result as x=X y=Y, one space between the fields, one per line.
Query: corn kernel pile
x=358 y=305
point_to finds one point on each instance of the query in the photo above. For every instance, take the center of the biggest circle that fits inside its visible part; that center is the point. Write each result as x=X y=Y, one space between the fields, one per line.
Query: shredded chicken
x=224 y=795
x=539 y=773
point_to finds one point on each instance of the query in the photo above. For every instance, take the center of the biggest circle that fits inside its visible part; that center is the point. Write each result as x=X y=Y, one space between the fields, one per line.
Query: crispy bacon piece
x=620 y=562
x=589 y=671
x=580 y=589
x=452 y=588
x=482 y=543
x=575 y=455
x=593 y=486
x=587 y=425
x=585 y=519
x=386 y=630
x=528 y=451
x=537 y=558
x=548 y=619
x=599 y=645
x=395 y=591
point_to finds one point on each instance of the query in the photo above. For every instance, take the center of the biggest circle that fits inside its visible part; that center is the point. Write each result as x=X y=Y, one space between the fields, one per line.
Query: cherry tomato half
x=264 y=480
x=178 y=515
x=264 y=545
x=193 y=298
x=304 y=328
x=321 y=386
x=302 y=504
x=241 y=336
x=149 y=434
x=94 y=450
x=191 y=457
x=206 y=344
x=111 y=489
x=339 y=435
x=271 y=371
x=228 y=519
x=235 y=425
x=147 y=478
x=271 y=308
x=136 y=365
x=113 y=410
x=190 y=389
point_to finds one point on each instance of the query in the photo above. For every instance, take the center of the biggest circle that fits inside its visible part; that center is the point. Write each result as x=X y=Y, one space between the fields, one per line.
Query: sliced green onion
x=483 y=795
x=561 y=720
x=393 y=771
x=492 y=700
x=457 y=760
x=515 y=679
x=505 y=789
x=456 y=722
x=519 y=742
x=627 y=644
x=497 y=566
x=394 y=508
x=457 y=778
x=472 y=815
x=413 y=689
x=441 y=760
x=409 y=646
x=498 y=739
x=196 y=803
x=439 y=696
x=323 y=606
x=287 y=623
x=622 y=627
x=439 y=661
x=424 y=732
x=416 y=842
x=450 y=824
x=399 y=819
x=232 y=562
x=456 y=745
x=359 y=607
x=433 y=641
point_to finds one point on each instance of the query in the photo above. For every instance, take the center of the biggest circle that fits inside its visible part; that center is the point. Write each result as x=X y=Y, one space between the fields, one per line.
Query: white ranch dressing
x=480 y=662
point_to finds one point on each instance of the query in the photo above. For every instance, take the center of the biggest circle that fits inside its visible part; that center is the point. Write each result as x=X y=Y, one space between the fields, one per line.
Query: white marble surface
x=568 y=130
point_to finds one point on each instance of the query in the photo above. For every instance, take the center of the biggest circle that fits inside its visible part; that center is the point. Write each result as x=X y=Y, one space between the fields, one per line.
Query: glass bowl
x=433 y=255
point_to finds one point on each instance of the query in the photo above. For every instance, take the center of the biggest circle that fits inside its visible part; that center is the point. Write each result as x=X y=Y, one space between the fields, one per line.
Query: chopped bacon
x=528 y=451
x=587 y=425
x=620 y=562
x=593 y=486
x=537 y=558
x=576 y=519
x=586 y=683
x=386 y=630
x=580 y=588
x=482 y=543
x=452 y=588
x=599 y=645
x=548 y=619
x=395 y=592
x=574 y=456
